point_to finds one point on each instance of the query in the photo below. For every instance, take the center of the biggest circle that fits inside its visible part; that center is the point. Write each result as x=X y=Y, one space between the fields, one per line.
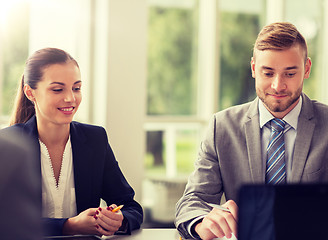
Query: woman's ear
x=28 y=91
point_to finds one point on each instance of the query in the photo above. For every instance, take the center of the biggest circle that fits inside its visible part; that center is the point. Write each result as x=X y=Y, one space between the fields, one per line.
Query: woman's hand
x=108 y=222
x=84 y=223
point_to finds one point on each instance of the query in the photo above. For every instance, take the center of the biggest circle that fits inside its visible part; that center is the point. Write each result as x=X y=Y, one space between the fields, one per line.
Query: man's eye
x=268 y=74
x=290 y=75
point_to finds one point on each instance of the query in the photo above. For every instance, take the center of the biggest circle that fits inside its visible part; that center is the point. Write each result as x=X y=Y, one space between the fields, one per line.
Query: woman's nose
x=69 y=97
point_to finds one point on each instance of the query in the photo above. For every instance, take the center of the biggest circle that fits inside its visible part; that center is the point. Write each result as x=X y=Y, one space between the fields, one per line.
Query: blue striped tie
x=276 y=167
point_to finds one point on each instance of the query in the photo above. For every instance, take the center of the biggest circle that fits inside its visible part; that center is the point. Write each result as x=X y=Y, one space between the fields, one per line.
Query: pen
x=218 y=207
x=117 y=208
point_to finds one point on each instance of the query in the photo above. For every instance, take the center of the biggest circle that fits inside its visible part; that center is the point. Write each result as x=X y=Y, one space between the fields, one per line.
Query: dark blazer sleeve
x=53 y=226
x=97 y=174
x=116 y=190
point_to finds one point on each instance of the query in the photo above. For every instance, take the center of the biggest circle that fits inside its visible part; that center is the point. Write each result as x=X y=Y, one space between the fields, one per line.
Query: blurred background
x=154 y=72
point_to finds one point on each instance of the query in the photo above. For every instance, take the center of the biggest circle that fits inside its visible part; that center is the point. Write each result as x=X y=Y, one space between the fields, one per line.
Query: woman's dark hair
x=33 y=73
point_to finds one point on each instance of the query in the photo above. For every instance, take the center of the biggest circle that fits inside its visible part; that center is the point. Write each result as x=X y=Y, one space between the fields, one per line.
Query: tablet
x=283 y=212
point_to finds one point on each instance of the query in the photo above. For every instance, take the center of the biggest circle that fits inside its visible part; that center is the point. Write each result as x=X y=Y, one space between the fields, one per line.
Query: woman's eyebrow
x=63 y=84
x=60 y=83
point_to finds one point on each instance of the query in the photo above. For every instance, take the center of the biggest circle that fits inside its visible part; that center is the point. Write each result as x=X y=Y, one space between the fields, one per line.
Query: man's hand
x=219 y=223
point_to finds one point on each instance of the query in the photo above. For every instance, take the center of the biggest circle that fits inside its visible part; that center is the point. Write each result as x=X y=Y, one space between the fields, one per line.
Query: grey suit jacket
x=231 y=156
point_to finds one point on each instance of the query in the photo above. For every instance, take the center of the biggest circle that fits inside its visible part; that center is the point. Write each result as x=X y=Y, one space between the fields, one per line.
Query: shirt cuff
x=191 y=226
x=124 y=228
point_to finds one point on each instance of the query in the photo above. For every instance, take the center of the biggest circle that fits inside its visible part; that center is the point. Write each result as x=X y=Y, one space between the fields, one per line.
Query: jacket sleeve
x=53 y=226
x=204 y=185
x=116 y=190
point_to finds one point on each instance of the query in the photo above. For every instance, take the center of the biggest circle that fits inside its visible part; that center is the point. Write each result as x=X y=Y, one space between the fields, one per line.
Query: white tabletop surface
x=141 y=234
x=149 y=234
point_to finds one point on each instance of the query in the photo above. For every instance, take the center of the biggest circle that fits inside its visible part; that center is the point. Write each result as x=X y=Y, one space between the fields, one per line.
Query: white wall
x=126 y=91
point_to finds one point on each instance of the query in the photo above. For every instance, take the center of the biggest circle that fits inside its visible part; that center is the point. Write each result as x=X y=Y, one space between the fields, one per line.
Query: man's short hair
x=280 y=36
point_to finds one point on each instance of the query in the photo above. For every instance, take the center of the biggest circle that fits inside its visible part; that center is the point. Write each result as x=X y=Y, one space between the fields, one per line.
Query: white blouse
x=58 y=201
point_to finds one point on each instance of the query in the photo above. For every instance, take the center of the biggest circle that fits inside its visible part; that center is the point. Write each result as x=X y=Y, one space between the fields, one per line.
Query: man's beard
x=279 y=105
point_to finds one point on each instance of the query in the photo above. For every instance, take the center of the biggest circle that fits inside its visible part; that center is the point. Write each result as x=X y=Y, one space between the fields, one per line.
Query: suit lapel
x=253 y=143
x=30 y=128
x=82 y=167
x=306 y=125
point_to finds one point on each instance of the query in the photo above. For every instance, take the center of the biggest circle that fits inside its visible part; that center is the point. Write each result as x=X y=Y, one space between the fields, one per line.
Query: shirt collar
x=291 y=118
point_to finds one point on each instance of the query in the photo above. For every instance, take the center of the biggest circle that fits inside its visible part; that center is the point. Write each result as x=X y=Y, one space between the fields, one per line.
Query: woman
x=78 y=167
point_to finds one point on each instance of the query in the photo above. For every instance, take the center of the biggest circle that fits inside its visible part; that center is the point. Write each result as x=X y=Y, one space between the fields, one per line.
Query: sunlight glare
x=6 y=7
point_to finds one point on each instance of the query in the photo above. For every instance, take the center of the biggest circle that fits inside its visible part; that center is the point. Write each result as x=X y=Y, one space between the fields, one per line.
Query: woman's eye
x=77 y=89
x=57 y=90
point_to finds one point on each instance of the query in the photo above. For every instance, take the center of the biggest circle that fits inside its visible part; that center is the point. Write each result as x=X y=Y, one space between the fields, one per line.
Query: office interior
x=154 y=72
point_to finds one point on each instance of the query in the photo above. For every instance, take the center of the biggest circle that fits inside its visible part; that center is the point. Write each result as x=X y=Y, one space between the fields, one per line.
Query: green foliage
x=171 y=82
x=172 y=44
x=186 y=153
x=14 y=53
x=310 y=85
x=238 y=34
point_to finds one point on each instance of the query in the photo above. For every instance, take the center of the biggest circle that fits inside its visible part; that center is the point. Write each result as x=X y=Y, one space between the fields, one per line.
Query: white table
x=149 y=234
x=141 y=234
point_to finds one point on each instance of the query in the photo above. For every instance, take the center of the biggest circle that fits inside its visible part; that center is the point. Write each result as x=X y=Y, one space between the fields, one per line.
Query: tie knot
x=277 y=125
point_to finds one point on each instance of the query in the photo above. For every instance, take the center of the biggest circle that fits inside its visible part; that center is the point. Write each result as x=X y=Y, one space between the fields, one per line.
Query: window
x=240 y=22
x=172 y=84
x=171 y=60
x=199 y=55
x=310 y=25
x=14 y=33
x=172 y=124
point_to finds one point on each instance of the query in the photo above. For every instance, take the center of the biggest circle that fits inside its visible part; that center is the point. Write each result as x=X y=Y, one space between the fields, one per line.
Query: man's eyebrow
x=267 y=68
x=287 y=68
x=292 y=68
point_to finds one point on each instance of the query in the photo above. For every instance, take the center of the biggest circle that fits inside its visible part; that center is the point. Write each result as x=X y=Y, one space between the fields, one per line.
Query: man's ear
x=308 y=65
x=29 y=93
x=253 y=67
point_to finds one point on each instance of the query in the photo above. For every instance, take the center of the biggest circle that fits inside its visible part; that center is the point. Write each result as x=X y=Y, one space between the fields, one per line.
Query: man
x=236 y=148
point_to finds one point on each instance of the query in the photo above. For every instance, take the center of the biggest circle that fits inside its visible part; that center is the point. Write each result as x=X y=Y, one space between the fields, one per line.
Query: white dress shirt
x=58 y=201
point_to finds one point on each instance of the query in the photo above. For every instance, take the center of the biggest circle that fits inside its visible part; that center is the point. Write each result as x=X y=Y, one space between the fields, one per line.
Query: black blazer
x=96 y=174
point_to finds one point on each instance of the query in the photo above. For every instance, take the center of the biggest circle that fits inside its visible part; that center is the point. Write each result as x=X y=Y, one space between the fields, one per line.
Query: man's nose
x=278 y=83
